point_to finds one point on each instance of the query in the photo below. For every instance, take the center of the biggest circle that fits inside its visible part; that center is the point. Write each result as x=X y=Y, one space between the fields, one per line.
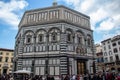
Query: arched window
x=79 y=38
x=54 y=36
x=89 y=40
x=28 y=39
x=40 y=38
x=69 y=36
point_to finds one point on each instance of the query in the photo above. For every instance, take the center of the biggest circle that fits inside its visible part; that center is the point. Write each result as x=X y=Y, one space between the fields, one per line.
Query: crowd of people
x=6 y=77
x=97 y=76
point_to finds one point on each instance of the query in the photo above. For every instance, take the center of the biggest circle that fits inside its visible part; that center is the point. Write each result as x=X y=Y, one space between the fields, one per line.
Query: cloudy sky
x=104 y=14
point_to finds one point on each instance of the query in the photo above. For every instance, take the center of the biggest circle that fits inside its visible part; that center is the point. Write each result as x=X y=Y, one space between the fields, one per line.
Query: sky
x=104 y=17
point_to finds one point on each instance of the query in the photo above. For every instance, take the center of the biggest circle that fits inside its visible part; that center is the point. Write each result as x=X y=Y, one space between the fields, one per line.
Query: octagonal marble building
x=54 y=40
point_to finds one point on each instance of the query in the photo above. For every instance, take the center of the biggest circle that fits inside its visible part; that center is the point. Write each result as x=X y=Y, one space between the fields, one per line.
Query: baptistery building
x=54 y=40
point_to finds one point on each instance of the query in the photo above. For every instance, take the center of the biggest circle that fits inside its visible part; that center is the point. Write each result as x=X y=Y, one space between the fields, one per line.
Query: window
x=12 y=54
x=98 y=60
x=115 y=50
x=102 y=60
x=79 y=40
x=54 y=61
x=114 y=44
x=106 y=60
x=7 y=53
x=29 y=39
x=69 y=37
x=54 y=70
x=11 y=59
x=41 y=38
x=111 y=58
x=103 y=43
x=54 y=36
x=28 y=62
x=11 y=66
x=0 y=59
x=89 y=41
x=110 y=53
x=1 y=53
x=118 y=42
x=117 y=57
x=105 y=54
x=43 y=61
x=6 y=59
x=109 y=46
x=104 y=48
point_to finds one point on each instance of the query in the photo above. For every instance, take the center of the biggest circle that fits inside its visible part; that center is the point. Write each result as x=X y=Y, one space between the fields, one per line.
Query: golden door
x=81 y=67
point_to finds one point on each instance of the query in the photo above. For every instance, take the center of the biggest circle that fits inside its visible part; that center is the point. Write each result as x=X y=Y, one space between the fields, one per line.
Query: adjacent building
x=6 y=60
x=55 y=40
x=99 y=58
x=111 y=53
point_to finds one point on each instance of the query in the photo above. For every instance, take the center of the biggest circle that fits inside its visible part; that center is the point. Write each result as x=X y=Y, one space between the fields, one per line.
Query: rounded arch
x=54 y=34
x=28 y=37
x=40 y=30
x=28 y=31
x=54 y=28
x=69 y=35
x=80 y=37
x=80 y=31
x=68 y=29
x=88 y=35
x=89 y=40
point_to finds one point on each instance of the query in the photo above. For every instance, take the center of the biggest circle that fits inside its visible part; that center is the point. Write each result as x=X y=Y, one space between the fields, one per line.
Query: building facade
x=111 y=53
x=6 y=61
x=55 y=40
x=99 y=58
